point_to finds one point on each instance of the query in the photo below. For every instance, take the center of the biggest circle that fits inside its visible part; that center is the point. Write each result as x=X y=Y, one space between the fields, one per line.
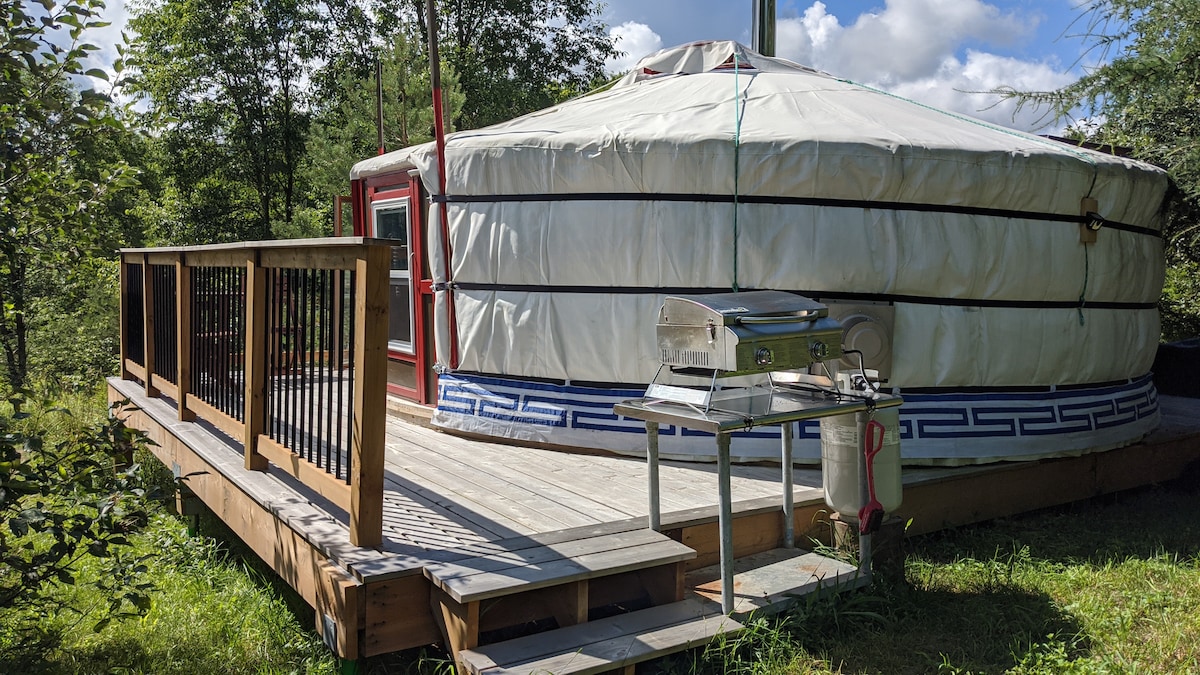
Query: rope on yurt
x=737 y=143
x=1083 y=291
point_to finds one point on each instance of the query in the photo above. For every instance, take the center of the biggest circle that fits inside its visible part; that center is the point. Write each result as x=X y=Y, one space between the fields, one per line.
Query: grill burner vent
x=688 y=358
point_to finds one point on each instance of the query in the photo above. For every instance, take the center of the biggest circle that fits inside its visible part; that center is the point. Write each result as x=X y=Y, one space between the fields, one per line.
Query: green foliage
x=346 y=132
x=73 y=332
x=1179 y=307
x=53 y=192
x=225 y=80
x=517 y=56
x=62 y=502
x=511 y=56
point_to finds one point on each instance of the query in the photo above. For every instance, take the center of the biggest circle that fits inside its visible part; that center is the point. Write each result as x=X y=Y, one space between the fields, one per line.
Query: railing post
x=183 y=336
x=124 y=301
x=256 y=362
x=370 y=396
x=148 y=327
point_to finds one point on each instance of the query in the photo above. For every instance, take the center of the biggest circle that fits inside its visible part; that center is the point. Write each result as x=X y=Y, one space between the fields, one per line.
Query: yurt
x=1005 y=284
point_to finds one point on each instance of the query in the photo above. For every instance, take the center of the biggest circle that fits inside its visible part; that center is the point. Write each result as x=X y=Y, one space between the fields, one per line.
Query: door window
x=391 y=221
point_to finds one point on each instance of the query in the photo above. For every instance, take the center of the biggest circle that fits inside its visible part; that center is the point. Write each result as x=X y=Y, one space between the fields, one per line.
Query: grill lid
x=749 y=332
x=729 y=308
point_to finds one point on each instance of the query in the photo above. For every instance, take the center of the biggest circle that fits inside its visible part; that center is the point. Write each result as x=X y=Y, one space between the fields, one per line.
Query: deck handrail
x=280 y=344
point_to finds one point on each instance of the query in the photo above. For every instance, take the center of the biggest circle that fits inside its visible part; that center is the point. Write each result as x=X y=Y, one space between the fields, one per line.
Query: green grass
x=212 y=613
x=1106 y=586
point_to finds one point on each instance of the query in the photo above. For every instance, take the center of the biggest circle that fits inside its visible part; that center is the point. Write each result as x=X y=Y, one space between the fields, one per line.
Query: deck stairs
x=605 y=602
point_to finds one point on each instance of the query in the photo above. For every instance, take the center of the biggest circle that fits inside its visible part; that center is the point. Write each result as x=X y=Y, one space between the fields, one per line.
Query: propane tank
x=841 y=454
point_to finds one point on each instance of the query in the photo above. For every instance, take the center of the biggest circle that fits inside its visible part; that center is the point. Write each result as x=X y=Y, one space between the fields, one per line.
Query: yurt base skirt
x=943 y=427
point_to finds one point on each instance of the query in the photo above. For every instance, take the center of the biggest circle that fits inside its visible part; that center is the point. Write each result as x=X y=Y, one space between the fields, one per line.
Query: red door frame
x=403 y=186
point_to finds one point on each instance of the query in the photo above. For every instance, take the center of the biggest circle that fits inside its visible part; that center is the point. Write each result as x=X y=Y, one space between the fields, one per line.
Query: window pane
x=400 y=315
x=392 y=223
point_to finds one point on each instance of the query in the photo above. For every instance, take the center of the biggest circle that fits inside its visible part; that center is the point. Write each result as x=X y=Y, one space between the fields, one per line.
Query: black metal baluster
x=319 y=365
x=350 y=343
x=297 y=340
x=202 y=329
x=326 y=367
x=338 y=342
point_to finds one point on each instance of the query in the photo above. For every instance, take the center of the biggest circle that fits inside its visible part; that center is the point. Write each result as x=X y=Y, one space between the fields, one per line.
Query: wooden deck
x=451 y=499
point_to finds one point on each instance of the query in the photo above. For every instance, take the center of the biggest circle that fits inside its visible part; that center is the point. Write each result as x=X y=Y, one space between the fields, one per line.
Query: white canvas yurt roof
x=711 y=167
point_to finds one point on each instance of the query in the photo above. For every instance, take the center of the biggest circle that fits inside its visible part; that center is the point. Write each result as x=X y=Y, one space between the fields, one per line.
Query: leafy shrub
x=66 y=501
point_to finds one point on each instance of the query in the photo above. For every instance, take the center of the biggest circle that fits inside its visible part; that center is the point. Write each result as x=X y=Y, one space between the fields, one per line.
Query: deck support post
x=458 y=623
x=256 y=363
x=183 y=337
x=571 y=607
x=370 y=396
x=148 y=327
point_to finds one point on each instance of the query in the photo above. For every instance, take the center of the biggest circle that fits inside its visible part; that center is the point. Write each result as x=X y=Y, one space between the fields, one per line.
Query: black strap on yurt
x=817 y=295
x=792 y=201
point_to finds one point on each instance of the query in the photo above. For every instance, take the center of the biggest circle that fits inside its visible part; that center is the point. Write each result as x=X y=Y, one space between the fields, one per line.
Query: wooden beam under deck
x=448 y=498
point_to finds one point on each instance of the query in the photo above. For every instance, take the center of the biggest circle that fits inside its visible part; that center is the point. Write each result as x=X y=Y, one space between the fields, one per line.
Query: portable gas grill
x=756 y=332
x=730 y=334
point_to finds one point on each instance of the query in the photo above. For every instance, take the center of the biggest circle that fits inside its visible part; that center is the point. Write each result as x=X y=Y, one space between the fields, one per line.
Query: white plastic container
x=841 y=452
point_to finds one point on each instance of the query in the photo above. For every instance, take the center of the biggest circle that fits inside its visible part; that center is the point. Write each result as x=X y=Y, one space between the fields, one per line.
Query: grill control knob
x=819 y=351
x=763 y=356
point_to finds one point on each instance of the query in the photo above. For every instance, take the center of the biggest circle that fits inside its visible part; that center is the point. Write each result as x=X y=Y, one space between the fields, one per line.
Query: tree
x=511 y=56
x=517 y=56
x=346 y=132
x=227 y=77
x=52 y=193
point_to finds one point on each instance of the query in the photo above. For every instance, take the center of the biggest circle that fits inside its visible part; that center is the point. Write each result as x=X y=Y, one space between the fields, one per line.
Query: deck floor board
x=491 y=471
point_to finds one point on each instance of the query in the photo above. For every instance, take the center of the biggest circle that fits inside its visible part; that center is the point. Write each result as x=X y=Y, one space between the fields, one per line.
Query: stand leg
x=652 y=475
x=725 y=522
x=789 y=527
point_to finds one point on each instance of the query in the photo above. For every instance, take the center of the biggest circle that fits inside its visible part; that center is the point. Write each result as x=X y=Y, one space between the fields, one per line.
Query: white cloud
x=911 y=48
x=962 y=87
x=636 y=40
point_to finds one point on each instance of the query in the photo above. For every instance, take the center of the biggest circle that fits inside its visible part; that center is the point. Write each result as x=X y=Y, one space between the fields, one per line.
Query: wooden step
x=772 y=581
x=538 y=566
x=604 y=644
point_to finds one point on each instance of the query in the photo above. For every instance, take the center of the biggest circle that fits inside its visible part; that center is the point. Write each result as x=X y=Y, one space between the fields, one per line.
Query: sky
x=944 y=53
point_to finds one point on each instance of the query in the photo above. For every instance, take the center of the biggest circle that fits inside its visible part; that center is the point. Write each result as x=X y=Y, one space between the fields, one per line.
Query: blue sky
x=934 y=51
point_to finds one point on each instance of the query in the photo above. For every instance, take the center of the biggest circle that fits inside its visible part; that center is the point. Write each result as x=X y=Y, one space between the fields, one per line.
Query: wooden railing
x=282 y=345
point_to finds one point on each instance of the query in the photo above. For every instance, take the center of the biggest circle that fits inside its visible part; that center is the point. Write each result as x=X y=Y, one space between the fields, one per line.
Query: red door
x=392 y=207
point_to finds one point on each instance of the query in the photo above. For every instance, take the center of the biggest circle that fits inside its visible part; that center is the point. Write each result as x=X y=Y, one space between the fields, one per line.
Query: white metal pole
x=652 y=474
x=789 y=527
x=725 y=522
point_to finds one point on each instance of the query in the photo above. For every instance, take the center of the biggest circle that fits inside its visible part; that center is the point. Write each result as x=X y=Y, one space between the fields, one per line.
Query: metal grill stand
x=749 y=408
